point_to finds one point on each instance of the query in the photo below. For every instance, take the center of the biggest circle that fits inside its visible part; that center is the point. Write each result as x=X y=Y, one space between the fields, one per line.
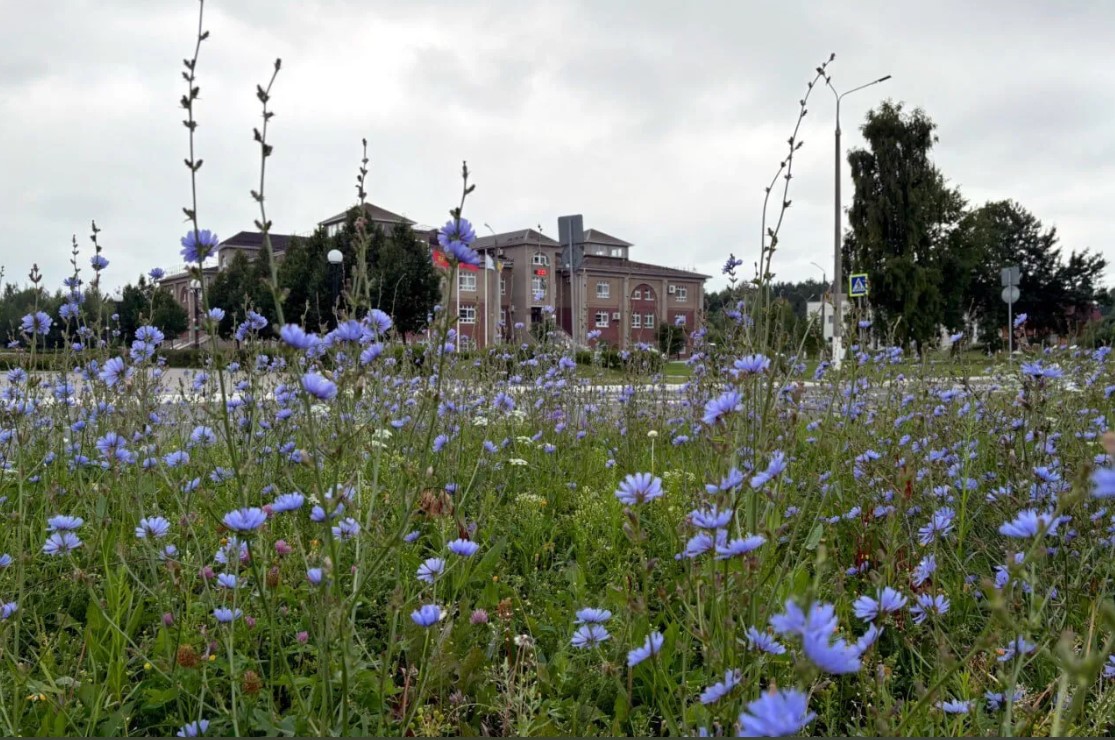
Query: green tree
x=168 y=314
x=241 y=286
x=134 y=305
x=1058 y=296
x=671 y=339
x=296 y=278
x=145 y=303
x=306 y=281
x=1106 y=302
x=405 y=283
x=901 y=223
x=402 y=279
x=16 y=302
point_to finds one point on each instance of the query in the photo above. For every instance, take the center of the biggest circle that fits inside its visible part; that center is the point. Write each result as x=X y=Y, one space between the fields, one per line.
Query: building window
x=538 y=288
x=648 y=320
x=502 y=286
x=603 y=290
x=637 y=295
x=617 y=251
x=466 y=282
x=464 y=341
x=636 y=321
x=540 y=259
x=679 y=319
x=468 y=314
x=601 y=319
x=682 y=294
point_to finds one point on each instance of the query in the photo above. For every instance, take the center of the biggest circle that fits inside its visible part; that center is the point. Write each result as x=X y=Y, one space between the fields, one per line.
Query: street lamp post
x=824 y=282
x=335 y=259
x=195 y=290
x=837 y=317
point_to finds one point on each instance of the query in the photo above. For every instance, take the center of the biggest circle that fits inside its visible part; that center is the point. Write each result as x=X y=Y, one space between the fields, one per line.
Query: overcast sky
x=660 y=121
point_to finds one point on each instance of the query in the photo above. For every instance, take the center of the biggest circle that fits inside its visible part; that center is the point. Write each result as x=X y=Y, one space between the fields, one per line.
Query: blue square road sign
x=857 y=285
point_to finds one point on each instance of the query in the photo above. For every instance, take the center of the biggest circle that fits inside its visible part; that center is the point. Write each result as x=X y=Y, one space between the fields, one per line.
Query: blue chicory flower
x=720 y=689
x=427 y=615
x=776 y=714
x=198 y=245
x=464 y=548
x=639 y=488
x=589 y=635
x=651 y=646
x=153 y=527
x=247 y=519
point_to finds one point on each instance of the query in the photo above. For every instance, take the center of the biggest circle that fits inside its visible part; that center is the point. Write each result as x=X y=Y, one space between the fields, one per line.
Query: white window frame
x=502 y=286
x=682 y=294
x=636 y=321
x=538 y=285
x=617 y=251
x=648 y=319
x=467 y=315
x=637 y=294
x=540 y=259
x=601 y=319
x=603 y=289
x=466 y=282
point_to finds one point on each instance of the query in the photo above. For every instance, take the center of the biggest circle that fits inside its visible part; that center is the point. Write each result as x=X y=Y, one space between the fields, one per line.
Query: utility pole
x=837 y=278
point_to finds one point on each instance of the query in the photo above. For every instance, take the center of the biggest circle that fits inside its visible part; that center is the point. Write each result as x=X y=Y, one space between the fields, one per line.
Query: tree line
x=934 y=260
x=139 y=304
x=402 y=280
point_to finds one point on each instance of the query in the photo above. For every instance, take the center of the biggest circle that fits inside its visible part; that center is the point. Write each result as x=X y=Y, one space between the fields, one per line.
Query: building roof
x=596 y=236
x=374 y=213
x=612 y=264
x=529 y=237
x=184 y=272
x=254 y=240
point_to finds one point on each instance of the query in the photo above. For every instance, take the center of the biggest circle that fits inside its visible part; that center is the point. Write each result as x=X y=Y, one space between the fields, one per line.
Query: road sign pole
x=1010 y=333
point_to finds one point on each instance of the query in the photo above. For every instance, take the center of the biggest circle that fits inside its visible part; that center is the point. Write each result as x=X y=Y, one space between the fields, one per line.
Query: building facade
x=616 y=300
x=522 y=286
x=822 y=312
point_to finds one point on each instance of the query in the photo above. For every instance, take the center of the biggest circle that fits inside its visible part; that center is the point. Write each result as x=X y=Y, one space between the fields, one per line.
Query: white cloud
x=661 y=122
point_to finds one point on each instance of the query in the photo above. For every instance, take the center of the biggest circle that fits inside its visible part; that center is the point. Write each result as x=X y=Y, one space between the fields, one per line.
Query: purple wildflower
x=638 y=488
x=775 y=714
x=651 y=646
x=197 y=246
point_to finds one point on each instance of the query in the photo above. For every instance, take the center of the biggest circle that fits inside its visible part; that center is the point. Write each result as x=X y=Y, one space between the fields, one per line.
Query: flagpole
x=487 y=301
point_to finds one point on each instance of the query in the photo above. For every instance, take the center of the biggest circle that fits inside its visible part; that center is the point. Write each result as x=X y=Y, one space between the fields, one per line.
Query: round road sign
x=1010 y=294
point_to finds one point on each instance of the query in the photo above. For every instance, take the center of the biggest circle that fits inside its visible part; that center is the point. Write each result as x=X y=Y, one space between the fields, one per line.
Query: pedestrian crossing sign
x=857 y=285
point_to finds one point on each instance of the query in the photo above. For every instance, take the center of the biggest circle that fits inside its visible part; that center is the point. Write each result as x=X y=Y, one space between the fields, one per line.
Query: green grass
x=116 y=637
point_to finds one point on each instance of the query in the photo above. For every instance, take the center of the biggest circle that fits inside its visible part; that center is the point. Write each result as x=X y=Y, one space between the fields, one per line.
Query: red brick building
x=619 y=301
x=624 y=300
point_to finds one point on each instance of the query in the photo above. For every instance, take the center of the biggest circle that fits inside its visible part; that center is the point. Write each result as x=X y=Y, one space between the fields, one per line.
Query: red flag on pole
x=440 y=260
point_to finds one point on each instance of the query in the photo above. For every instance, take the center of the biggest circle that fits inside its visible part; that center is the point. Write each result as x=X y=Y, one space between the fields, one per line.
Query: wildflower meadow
x=336 y=533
